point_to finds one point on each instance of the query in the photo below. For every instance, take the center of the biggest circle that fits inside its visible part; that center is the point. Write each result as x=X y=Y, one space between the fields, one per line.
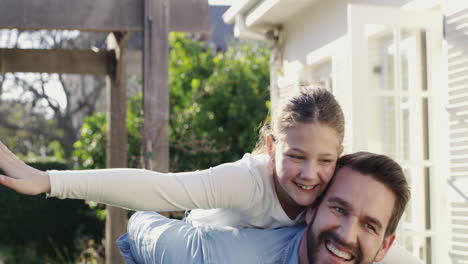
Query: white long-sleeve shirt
x=237 y=194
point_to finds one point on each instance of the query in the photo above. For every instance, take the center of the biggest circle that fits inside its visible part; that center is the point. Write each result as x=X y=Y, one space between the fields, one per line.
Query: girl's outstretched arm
x=230 y=185
x=21 y=177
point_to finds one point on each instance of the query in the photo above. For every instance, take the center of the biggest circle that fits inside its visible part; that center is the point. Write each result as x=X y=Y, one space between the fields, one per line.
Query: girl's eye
x=296 y=156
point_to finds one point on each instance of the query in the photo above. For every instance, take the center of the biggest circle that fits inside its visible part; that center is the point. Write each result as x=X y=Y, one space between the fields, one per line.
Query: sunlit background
x=398 y=68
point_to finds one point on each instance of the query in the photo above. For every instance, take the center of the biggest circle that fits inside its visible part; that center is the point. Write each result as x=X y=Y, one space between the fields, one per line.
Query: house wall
x=317 y=36
x=318 y=26
x=456 y=26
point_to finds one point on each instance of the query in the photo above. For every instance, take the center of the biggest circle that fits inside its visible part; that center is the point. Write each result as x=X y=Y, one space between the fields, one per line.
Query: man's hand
x=21 y=177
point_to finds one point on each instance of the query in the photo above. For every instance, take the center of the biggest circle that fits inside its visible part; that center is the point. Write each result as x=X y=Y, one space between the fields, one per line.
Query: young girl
x=293 y=164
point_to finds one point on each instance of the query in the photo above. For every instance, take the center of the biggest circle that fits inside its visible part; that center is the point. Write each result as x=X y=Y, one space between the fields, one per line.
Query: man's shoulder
x=398 y=254
x=153 y=238
x=251 y=245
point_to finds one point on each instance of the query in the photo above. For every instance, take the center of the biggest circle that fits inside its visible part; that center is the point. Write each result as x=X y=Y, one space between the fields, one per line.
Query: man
x=354 y=223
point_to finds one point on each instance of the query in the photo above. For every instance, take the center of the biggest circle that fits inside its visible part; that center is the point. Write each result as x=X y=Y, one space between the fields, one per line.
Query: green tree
x=24 y=141
x=217 y=102
x=218 y=120
x=90 y=151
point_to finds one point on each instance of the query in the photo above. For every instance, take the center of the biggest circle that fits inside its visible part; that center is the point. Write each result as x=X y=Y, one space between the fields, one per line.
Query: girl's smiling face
x=304 y=158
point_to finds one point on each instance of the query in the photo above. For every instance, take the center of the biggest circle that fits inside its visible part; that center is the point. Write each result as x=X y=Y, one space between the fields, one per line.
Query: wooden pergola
x=155 y=18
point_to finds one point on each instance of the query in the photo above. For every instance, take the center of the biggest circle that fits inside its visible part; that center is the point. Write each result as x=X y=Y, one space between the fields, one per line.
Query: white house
x=400 y=71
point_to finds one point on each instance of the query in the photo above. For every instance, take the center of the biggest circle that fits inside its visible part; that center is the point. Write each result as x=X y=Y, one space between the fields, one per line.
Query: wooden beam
x=155 y=85
x=116 y=218
x=102 y=15
x=134 y=62
x=183 y=18
x=56 y=61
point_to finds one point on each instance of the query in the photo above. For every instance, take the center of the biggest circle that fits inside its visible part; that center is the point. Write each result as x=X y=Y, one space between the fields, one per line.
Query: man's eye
x=370 y=227
x=326 y=161
x=339 y=210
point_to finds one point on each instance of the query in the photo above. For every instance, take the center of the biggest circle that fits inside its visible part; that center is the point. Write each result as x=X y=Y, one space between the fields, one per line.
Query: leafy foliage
x=89 y=151
x=24 y=141
x=224 y=120
x=56 y=226
x=217 y=102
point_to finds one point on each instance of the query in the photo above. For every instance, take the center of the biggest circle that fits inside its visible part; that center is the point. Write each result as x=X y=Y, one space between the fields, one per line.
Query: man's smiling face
x=351 y=221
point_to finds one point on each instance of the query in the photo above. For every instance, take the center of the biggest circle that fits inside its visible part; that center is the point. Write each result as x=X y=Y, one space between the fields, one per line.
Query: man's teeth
x=338 y=252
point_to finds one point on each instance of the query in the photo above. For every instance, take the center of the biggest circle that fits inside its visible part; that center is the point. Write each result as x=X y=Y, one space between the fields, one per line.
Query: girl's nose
x=309 y=172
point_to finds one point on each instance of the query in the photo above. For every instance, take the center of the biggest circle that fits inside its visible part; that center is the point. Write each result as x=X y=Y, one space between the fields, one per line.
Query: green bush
x=217 y=102
x=39 y=229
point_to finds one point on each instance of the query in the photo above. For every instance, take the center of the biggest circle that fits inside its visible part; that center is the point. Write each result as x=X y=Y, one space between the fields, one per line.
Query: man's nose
x=348 y=231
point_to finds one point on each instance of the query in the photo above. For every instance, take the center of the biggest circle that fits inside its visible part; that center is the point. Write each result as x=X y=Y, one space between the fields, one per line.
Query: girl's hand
x=21 y=177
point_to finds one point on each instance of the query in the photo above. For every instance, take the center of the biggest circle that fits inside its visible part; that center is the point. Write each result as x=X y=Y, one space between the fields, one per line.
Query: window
x=319 y=74
x=394 y=111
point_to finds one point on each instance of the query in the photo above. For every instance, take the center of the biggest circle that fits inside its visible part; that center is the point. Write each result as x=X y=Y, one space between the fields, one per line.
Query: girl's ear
x=270 y=142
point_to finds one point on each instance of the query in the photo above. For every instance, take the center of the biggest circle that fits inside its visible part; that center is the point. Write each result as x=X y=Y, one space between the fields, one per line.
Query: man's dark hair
x=386 y=171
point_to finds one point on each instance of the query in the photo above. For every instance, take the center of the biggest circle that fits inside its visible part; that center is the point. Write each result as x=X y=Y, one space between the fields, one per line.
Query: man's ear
x=386 y=244
x=340 y=150
x=270 y=142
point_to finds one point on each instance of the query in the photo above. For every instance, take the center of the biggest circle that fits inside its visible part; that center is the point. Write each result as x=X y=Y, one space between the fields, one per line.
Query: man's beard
x=314 y=244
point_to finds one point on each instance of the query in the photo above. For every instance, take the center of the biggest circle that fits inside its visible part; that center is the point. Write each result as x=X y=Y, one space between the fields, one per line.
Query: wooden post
x=155 y=85
x=116 y=218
